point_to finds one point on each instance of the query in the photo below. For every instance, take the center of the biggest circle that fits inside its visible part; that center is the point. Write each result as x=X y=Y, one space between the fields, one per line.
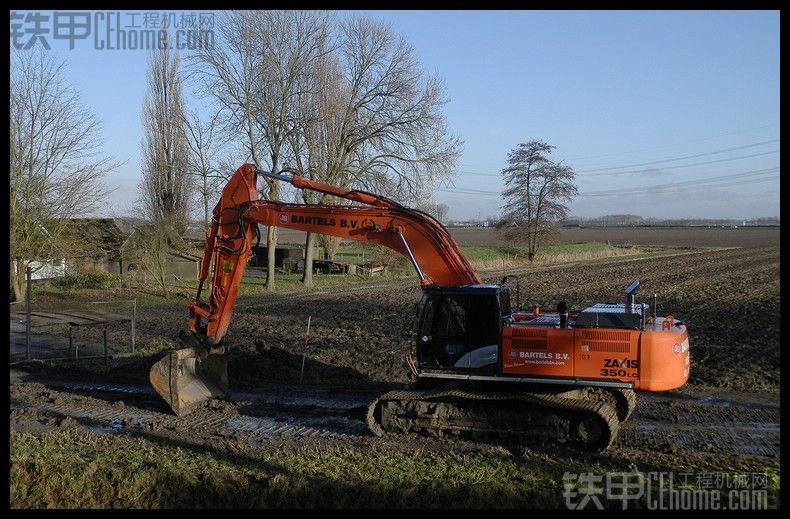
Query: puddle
x=305 y=399
x=710 y=400
x=115 y=426
x=261 y=427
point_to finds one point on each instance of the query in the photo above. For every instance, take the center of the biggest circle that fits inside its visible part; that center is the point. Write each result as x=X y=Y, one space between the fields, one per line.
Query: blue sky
x=629 y=94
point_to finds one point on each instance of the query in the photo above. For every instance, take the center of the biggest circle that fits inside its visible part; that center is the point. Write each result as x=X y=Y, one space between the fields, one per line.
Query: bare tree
x=228 y=73
x=394 y=135
x=372 y=118
x=436 y=209
x=150 y=244
x=251 y=74
x=56 y=165
x=536 y=191
x=343 y=103
x=440 y=212
x=165 y=186
x=203 y=141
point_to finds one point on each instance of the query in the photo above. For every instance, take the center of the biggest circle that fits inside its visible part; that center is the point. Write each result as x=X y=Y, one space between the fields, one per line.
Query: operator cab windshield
x=460 y=331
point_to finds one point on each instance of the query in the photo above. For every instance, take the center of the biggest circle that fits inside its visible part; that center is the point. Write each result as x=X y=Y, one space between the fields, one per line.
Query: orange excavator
x=481 y=366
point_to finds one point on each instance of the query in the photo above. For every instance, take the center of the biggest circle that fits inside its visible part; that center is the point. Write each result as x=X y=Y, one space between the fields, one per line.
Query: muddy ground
x=725 y=419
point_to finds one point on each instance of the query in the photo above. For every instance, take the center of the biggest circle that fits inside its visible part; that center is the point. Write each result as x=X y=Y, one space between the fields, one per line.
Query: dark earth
x=726 y=418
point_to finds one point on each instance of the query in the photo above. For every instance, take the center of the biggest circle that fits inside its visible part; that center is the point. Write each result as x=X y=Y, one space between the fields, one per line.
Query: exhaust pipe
x=630 y=293
x=562 y=309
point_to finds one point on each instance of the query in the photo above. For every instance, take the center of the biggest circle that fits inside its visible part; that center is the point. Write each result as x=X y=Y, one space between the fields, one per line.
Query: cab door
x=460 y=331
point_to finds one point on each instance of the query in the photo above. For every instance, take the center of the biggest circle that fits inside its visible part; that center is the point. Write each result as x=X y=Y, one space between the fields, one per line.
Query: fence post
x=304 y=353
x=28 y=276
x=134 y=318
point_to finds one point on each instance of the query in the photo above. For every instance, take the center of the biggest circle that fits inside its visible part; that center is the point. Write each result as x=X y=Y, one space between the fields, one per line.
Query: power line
x=639 y=189
x=681 y=158
x=717 y=161
x=670 y=188
x=662 y=146
x=704 y=180
x=752 y=172
x=675 y=144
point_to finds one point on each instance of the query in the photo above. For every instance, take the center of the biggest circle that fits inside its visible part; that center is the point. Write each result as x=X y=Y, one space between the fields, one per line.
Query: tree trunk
x=271 y=245
x=307 y=277
x=163 y=282
x=532 y=246
x=19 y=280
x=330 y=244
x=205 y=201
x=161 y=267
x=271 y=235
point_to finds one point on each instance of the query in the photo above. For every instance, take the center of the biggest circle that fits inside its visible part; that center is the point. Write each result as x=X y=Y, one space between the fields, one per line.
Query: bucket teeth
x=187 y=377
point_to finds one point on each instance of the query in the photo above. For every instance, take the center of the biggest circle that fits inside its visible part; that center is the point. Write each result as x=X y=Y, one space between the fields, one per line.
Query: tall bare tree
x=203 y=141
x=373 y=119
x=340 y=102
x=316 y=111
x=251 y=73
x=536 y=192
x=165 y=186
x=56 y=164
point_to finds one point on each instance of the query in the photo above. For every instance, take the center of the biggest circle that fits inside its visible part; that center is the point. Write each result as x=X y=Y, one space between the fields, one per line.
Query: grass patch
x=252 y=285
x=87 y=470
x=499 y=256
x=254 y=280
x=66 y=469
x=91 y=280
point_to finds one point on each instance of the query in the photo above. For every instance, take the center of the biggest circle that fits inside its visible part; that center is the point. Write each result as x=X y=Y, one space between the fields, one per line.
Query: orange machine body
x=654 y=358
x=635 y=352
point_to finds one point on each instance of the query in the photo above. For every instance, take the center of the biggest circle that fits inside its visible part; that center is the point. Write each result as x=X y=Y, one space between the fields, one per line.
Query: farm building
x=181 y=258
x=282 y=254
x=93 y=245
x=82 y=245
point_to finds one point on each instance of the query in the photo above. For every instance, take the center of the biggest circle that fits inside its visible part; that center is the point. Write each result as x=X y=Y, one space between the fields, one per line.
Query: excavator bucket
x=188 y=377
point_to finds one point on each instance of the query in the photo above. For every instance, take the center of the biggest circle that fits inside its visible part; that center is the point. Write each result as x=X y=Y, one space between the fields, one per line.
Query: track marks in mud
x=670 y=423
x=253 y=418
x=692 y=423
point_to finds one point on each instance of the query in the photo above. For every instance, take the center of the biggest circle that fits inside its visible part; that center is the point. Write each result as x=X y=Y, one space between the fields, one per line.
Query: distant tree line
x=632 y=220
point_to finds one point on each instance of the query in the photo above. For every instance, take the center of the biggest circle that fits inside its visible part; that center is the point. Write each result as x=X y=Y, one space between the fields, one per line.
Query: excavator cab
x=459 y=328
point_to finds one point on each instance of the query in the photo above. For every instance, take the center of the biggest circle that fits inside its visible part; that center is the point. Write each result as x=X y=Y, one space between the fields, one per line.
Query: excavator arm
x=417 y=236
x=186 y=377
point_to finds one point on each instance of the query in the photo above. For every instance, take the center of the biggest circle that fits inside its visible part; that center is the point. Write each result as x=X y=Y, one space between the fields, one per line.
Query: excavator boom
x=186 y=377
